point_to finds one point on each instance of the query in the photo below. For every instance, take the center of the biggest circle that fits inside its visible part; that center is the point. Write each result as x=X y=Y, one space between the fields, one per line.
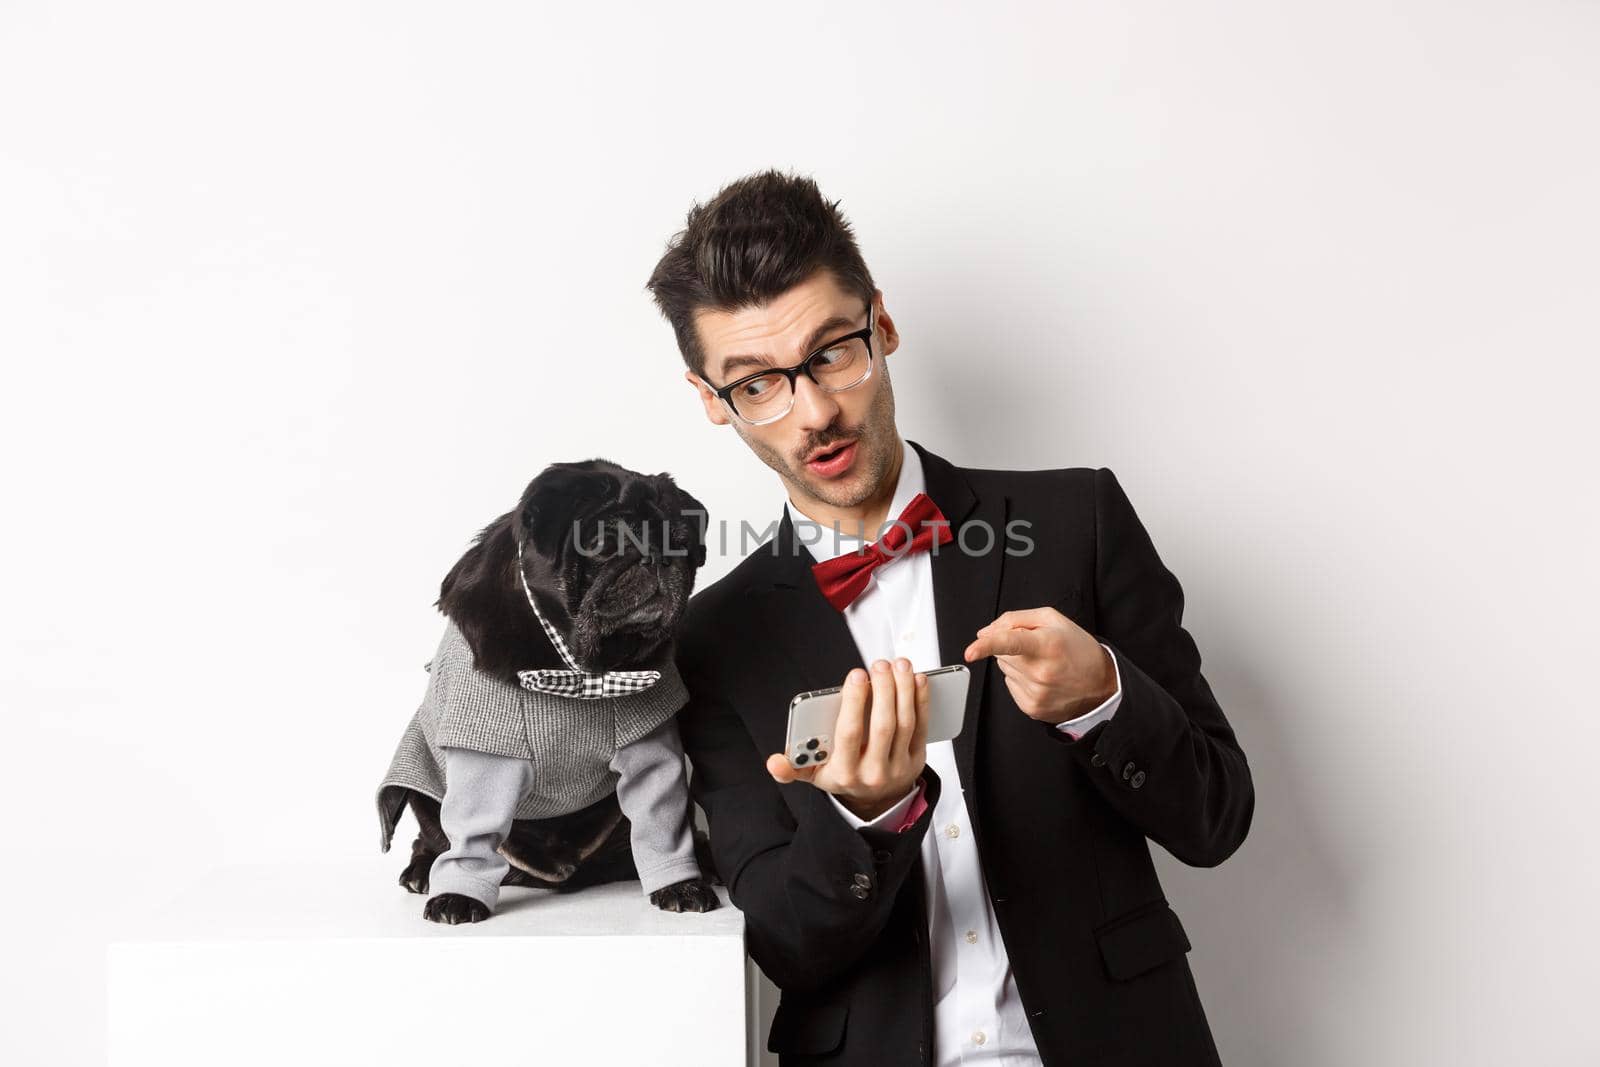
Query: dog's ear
x=564 y=494
x=483 y=596
x=695 y=517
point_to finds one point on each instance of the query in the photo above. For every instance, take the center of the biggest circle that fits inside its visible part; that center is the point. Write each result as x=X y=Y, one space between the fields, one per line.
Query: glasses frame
x=725 y=394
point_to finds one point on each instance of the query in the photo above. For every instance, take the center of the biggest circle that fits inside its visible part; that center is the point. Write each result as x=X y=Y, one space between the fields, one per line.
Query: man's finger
x=905 y=701
x=1025 y=696
x=1015 y=642
x=849 y=729
x=1009 y=665
x=919 y=736
x=783 y=771
x=1015 y=670
x=1026 y=617
x=882 y=725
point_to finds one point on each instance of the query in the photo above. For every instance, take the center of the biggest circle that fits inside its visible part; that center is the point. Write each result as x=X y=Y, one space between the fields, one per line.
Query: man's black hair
x=760 y=236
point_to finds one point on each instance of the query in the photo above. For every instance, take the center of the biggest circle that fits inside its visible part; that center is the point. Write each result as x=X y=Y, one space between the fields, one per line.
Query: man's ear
x=885 y=326
x=483 y=596
x=715 y=413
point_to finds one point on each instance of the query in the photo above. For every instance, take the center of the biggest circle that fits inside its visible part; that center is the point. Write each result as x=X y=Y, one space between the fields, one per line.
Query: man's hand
x=878 y=750
x=1054 y=668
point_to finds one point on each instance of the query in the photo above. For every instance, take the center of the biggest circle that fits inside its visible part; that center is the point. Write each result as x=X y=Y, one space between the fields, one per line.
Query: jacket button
x=1137 y=780
x=1097 y=760
x=882 y=855
x=863 y=880
x=1127 y=770
x=861 y=892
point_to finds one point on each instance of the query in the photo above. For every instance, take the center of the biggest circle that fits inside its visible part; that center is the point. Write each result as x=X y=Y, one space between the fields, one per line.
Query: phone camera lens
x=822 y=755
x=811 y=743
x=802 y=758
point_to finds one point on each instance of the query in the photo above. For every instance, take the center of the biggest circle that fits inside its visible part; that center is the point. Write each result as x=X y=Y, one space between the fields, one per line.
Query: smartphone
x=812 y=714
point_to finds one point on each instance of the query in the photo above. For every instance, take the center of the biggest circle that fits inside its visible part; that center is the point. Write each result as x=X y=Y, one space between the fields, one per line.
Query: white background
x=295 y=297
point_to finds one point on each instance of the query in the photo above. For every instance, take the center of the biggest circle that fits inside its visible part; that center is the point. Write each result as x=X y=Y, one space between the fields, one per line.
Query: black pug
x=545 y=752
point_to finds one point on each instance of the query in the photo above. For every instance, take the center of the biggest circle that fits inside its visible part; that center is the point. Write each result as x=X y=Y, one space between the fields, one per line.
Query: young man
x=988 y=899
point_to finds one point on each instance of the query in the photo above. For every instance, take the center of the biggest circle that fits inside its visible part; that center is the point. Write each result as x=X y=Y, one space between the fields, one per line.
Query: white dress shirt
x=978 y=1017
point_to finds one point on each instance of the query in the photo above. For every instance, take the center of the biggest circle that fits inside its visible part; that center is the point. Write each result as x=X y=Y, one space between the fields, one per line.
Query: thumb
x=783 y=771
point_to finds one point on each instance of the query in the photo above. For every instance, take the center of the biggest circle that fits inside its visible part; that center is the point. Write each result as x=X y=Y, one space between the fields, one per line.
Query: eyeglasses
x=768 y=395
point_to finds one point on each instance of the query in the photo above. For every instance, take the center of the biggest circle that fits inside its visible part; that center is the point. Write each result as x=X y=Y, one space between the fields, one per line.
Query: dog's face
x=608 y=554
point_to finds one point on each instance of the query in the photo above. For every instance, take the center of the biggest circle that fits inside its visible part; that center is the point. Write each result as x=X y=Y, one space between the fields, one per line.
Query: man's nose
x=814 y=407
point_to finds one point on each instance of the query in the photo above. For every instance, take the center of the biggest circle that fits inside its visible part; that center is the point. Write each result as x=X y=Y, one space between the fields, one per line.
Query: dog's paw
x=415 y=877
x=691 y=894
x=454 y=908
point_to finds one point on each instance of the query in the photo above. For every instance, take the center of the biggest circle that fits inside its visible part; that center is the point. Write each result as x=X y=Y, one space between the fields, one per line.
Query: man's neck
x=865 y=519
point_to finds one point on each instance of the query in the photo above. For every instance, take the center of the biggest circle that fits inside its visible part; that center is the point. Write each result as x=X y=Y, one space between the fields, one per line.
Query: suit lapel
x=819 y=649
x=966 y=587
x=813 y=644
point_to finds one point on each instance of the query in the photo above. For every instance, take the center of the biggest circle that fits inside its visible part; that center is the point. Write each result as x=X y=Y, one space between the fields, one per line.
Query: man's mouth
x=833 y=460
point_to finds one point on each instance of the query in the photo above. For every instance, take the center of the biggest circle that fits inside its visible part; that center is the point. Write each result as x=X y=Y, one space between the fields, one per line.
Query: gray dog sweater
x=491 y=751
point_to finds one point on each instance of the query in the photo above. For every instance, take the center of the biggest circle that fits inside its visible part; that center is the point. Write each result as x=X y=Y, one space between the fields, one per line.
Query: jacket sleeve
x=814 y=891
x=1167 y=761
x=653 y=793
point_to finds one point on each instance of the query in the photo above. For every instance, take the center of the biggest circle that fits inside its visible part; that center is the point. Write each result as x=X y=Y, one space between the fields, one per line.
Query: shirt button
x=1127 y=770
x=972 y=937
x=1137 y=780
x=861 y=892
x=978 y=1038
x=863 y=880
x=952 y=830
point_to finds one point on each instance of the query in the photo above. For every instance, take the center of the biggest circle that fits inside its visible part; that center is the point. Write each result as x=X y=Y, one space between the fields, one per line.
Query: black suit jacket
x=835 y=915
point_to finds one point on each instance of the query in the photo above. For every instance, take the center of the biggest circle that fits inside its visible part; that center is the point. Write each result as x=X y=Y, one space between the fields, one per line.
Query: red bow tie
x=842 y=578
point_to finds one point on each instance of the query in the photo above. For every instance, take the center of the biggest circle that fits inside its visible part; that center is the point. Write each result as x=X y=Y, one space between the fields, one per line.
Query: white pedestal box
x=334 y=964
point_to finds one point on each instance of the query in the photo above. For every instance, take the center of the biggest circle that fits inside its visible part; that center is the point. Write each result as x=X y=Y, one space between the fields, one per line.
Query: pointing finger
x=1025 y=617
x=1015 y=642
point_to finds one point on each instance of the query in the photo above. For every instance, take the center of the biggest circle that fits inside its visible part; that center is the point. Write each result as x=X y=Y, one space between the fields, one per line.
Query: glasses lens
x=843 y=365
x=761 y=397
x=837 y=367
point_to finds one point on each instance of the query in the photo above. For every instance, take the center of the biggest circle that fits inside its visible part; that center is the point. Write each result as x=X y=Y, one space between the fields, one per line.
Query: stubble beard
x=874 y=451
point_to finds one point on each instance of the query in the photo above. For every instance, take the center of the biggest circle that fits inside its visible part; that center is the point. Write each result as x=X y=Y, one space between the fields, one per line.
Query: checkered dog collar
x=575 y=682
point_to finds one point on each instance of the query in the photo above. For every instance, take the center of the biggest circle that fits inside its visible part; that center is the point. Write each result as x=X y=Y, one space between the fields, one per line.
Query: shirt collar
x=823 y=545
